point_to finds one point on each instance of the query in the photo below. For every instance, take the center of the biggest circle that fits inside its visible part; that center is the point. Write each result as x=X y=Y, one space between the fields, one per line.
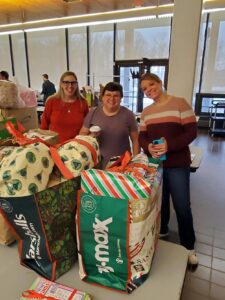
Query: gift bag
x=42 y=217
x=118 y=219
x=9 y=96
x=44 y=224
x=6 y=235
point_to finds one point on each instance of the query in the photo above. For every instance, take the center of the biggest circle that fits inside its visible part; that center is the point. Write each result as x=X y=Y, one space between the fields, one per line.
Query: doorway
x=128 y=72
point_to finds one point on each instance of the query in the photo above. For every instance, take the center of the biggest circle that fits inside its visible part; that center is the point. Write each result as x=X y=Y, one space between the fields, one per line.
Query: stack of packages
x=40 y=207
x=18 y=102
x=118 y=219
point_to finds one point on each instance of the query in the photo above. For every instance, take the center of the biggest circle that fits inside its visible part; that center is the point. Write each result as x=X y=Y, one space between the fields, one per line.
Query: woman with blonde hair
x=65 y=110
x=171 y=120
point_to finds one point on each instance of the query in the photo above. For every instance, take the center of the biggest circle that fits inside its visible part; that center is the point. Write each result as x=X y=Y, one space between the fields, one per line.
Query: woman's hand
x=159 y=149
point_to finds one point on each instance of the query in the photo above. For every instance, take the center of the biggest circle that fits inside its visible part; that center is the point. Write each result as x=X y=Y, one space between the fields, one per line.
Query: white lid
x=95 y=129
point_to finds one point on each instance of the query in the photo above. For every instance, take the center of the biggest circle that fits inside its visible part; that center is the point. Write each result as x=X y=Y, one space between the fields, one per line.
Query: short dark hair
x=45 y=76
x=5 y=74
x=112 y=87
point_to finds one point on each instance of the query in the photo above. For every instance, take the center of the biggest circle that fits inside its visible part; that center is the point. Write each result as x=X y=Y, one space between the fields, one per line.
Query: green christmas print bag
x=45 y=227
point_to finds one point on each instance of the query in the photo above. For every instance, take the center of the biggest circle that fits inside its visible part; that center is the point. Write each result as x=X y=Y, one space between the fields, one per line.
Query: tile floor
x=208 y=206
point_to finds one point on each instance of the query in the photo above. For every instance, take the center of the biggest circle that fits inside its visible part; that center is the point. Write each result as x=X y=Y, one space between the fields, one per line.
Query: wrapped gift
x=24 y=170
x=75 y=155
x=27 y=95
x=51 y=137
x=134 y=180
x=118 y=221
x=48 y=290
x=9 y=96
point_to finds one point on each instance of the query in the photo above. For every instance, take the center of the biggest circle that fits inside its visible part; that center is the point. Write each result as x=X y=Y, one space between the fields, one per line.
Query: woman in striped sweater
x=171 y=119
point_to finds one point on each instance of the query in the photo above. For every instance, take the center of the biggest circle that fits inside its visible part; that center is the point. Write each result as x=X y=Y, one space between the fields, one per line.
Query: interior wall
x=184 y=45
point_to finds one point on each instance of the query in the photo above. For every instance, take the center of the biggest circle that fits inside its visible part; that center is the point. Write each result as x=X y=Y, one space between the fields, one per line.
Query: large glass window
x=148 y=38
x=78 y=53
x=213 y=80
x=5 y=60
x=47 y=54
x=130 y=86
x=19 y=57
x=101 y=54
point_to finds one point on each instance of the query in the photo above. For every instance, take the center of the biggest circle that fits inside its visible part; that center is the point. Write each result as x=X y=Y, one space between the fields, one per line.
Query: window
x=138 y=39
x=47 y=54
x=213 y=80
x=101 y=55
x=5 y=54
x=78 y=53
x=19 y=56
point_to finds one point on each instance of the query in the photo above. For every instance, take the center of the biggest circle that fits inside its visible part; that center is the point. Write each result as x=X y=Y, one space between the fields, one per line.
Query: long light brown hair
x=60 y=93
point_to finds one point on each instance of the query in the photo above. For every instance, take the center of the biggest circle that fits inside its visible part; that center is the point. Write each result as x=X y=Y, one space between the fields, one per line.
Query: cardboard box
x=49 y=136
x=27 y=116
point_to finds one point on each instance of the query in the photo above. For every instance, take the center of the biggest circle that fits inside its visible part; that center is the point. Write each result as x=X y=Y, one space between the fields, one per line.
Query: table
x=40 y=110
x=198 y=154
x=165 y=280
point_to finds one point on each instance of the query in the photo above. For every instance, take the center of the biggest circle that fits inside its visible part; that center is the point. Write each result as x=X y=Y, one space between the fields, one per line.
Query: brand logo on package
x=6 y=206
x=88 y=204
x=30 y=231
x=101 y=237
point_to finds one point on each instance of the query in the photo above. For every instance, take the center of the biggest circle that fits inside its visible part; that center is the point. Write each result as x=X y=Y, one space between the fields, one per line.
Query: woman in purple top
x=117 y=123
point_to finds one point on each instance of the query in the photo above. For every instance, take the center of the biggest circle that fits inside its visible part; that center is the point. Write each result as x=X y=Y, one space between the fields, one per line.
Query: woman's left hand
x=159 y=149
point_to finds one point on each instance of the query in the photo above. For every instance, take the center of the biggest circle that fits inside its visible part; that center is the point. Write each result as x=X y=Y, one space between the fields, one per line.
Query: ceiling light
x=11 y=32
x=91 y=23
x=70 y=1
x=165 y=16
x=211 y=10
x=88 y=19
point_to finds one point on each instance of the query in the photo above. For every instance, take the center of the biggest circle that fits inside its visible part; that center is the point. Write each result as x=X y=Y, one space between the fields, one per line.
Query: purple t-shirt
x=115 y=131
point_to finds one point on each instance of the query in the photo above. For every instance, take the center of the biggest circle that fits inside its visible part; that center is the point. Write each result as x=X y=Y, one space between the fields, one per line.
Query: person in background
x=4 y=75
x=117 y=124
x=48 y=88
x=171 y=119
x=65 y=111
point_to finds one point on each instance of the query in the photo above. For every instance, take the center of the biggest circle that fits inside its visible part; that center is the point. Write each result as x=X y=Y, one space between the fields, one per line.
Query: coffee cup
x=95 y=130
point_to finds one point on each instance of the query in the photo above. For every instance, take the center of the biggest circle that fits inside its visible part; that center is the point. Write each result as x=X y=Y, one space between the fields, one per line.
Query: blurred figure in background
x=48 y=88
x=4 y=75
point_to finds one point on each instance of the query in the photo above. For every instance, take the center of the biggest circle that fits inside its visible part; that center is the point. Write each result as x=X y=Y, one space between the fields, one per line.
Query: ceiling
x=20 y=11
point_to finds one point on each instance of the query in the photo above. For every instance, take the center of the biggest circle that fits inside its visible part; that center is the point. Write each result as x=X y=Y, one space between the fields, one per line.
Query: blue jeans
x=176 y=183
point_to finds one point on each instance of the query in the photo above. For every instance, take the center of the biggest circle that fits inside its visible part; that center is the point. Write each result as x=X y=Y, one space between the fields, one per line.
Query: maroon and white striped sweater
x=174 y=120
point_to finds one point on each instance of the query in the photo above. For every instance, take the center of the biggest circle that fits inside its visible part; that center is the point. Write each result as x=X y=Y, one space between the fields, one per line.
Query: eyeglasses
x=67 y=83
